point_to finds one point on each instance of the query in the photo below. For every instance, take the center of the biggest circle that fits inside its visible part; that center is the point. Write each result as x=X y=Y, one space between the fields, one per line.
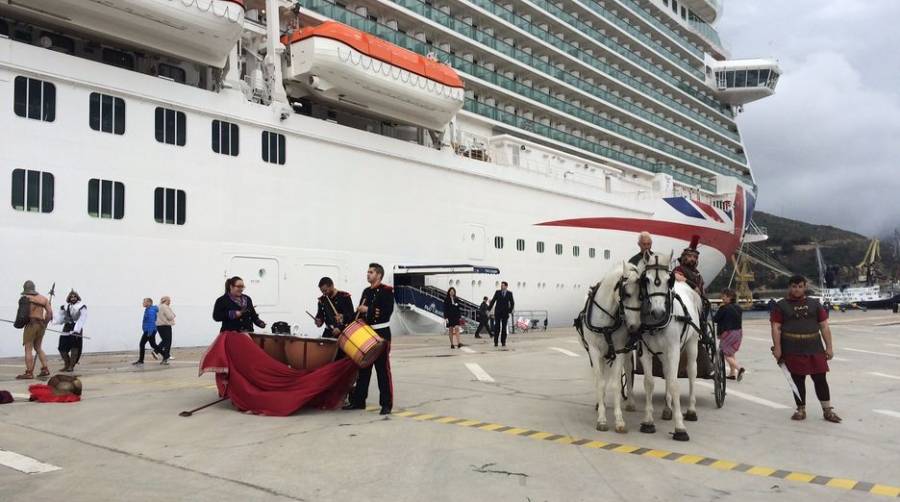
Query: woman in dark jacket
x=728 y=323
x=235 y=310
x=452 y=315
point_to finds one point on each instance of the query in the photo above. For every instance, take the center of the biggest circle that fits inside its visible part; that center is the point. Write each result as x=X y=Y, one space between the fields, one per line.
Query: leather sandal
x=800 y=414
x=831 y=416
x=44 y=372
x=28 y=375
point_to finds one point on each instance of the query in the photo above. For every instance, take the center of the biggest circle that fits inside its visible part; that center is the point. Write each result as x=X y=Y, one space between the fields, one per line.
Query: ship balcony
x=708 y=10
x=738 y=82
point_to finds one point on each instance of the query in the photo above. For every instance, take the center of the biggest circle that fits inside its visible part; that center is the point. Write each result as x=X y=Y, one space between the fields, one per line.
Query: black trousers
x=481 y=324
x=820 y=383
x=500 y=328
x=148 y=336
x=385 y=383
x=165 y=343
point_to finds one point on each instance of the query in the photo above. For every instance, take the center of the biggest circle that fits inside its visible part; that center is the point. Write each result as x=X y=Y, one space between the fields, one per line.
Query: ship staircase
x=422 y=306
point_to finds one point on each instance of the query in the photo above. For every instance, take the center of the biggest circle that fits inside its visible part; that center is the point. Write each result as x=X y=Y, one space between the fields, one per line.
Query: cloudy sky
x=826 y=147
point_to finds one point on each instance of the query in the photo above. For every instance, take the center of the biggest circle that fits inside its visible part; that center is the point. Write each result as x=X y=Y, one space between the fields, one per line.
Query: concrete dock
x=472 y=424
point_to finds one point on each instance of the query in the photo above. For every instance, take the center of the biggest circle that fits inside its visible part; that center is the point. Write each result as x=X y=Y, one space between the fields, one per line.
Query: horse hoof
x=690 y=416
x=667 y=414
x=602 y=427
x=648 y=428
x=630 y=407
x=681 y=436
x=621 y=429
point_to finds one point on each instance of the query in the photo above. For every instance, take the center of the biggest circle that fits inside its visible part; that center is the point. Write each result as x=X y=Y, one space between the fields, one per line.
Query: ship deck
x=526 y=435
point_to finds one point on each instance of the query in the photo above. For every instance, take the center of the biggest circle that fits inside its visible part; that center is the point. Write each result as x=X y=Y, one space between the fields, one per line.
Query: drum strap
x=381 y=326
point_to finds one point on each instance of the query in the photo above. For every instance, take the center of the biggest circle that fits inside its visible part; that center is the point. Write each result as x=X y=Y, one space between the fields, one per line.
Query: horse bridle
x=645 y=296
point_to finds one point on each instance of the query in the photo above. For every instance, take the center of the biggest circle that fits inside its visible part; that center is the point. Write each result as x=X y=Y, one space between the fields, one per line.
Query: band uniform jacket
x=380 y=303
x=344 y=305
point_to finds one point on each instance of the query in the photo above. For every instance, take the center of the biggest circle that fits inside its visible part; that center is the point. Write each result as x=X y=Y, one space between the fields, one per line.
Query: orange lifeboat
x=335 y=62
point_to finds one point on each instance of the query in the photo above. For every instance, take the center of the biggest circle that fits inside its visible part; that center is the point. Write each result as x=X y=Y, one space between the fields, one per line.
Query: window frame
x=280 y=146
x=97 y=103
x=168 y=120
x=40 y=198
x=43 y=108
x=169 y=201
x=226 y=138
x=498 y=242
x=115 y=199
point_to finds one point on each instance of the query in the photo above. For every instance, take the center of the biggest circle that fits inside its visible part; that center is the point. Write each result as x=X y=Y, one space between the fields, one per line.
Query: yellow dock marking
x=681 y=458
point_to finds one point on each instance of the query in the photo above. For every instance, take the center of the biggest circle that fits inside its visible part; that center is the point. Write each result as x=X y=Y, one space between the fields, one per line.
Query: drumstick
x=313 y=317
x=358 y=312
x=333 y=309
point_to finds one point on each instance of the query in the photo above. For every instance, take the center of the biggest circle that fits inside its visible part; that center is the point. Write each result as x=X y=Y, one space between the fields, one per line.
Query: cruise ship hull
x=343 y=199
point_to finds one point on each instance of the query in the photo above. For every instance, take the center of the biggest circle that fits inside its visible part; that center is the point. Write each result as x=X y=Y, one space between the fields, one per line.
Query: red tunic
x=803 y=364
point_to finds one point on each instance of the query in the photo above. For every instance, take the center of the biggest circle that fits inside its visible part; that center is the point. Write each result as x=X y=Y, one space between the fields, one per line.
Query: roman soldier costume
x=73 y=315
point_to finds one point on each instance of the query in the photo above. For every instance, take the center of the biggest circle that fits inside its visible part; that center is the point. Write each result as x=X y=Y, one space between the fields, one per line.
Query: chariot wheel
x=719 y=378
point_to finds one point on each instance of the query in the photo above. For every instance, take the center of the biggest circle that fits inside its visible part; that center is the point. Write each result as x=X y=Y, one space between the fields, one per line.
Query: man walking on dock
x=503 y=305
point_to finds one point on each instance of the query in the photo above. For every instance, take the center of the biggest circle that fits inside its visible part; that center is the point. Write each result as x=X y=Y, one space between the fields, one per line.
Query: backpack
x=24 y=312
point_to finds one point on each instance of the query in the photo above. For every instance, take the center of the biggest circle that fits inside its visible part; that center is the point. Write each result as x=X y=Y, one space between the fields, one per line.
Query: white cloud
x=826 y=147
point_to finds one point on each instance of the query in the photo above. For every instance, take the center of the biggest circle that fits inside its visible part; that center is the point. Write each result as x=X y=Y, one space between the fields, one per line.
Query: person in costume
x=334 y=309
x=73 y=315
x=687 y=271
x=376 y=307
x=235 y=310
x=36 y=314
x=799 y=328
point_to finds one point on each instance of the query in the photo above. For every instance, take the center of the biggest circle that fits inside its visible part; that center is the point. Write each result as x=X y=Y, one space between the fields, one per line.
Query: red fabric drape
x=256 y=382
x=44 y=394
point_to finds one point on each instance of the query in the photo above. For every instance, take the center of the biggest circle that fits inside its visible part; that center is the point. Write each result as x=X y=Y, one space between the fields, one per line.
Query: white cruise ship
x=155 y=147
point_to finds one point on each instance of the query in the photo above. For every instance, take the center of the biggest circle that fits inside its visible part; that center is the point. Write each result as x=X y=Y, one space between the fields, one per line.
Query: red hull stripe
x=723 y=241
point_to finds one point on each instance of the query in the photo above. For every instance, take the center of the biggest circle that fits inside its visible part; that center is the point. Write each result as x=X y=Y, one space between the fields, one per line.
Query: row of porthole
x=519 y=284
x=540 y=246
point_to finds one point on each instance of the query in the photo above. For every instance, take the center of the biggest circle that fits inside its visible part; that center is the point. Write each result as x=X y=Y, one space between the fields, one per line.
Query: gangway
x=422 y=305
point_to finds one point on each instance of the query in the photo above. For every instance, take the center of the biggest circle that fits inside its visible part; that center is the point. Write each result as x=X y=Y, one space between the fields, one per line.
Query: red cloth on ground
x=256 y=382
x=806 y=364
x=44 y=394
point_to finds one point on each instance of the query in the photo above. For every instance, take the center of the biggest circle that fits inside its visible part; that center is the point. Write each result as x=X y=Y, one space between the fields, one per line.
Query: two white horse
x=634 y=298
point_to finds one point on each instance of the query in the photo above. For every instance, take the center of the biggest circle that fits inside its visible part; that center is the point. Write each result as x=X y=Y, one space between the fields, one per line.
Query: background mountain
x=791 y=243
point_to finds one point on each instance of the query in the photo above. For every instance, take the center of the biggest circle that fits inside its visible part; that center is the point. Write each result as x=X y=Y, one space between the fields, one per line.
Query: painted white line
x=467 y=350
x=884 y=375
x=20 y=396
x=893 y=345
x=24 y=464
x=479 y=372
x=748 y=397
x=889 y=413
x=889 y=354
x=564 y=351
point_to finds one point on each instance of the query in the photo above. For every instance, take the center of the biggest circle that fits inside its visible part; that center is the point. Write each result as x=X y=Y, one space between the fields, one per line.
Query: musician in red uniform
x=335 y=309
x=376 y=307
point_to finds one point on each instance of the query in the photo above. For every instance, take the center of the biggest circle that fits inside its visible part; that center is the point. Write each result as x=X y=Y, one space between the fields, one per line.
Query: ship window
x=740 y=79
x=606 y=254
x=118 y=58
x=171 y=72
x=225 y=137
x=169 y=206
x=32 y=191
x=576 y=251
x=35 y=99
x=106 y=199
x=729 y=79
x=498 y=242
x=592 y=253
x=170 y=126
x=59 y=43
x=273 y=147
x=540 y=247
x=107 y=113
x=520 y=244
x=559 y=249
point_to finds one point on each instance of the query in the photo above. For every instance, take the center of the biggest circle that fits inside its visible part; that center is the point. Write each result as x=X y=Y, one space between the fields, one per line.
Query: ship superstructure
x=157 y=146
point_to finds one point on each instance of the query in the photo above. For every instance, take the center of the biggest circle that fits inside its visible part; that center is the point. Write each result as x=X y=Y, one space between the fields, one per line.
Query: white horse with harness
x=606 y=317
x=669 y=321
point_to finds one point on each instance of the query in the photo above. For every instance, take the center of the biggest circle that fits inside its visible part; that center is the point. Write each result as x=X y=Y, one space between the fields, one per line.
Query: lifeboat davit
x=202 y=31
x=338 y=63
